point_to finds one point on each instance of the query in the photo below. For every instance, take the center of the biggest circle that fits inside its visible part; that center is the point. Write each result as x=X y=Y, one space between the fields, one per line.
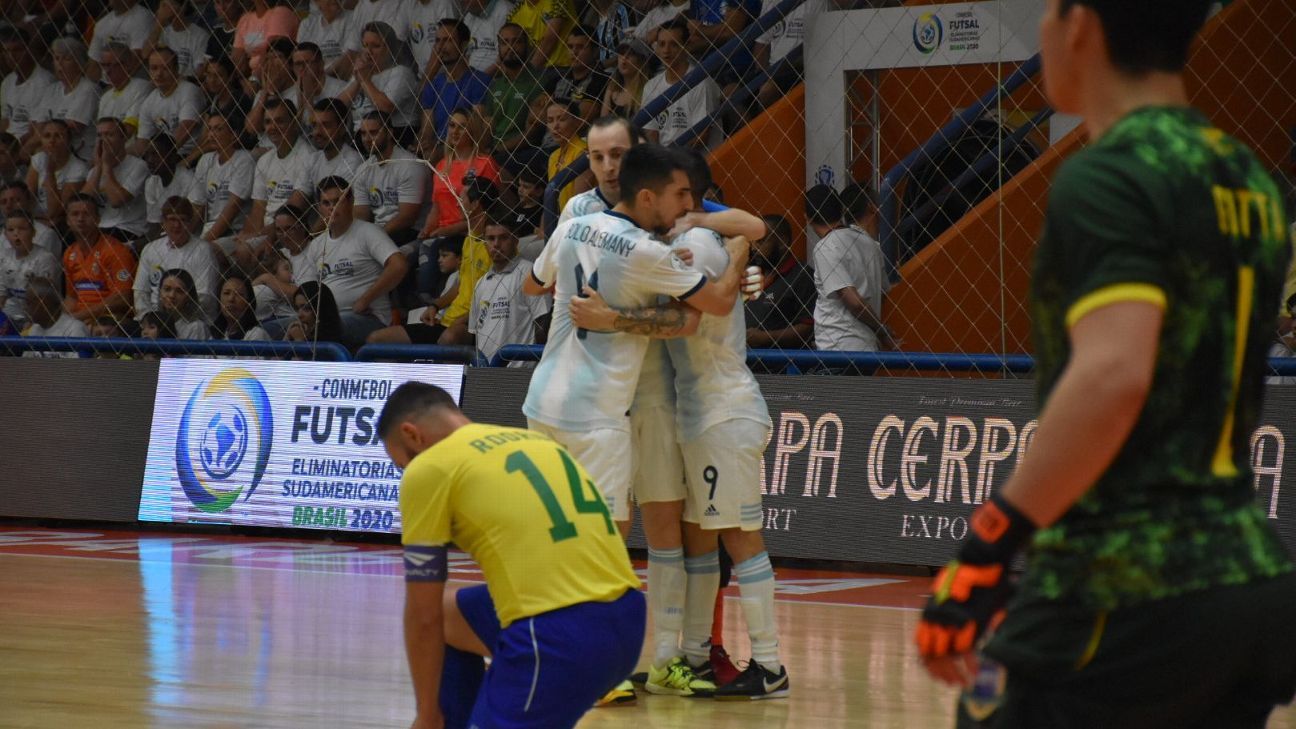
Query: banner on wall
x=277 y=444
x=888 y=470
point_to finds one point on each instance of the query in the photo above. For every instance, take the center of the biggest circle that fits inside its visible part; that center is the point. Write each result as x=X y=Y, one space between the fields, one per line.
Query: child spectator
x=21 y=263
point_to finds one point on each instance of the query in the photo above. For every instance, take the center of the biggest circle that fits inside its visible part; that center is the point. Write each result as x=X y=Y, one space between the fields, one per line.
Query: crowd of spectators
x=335 y=170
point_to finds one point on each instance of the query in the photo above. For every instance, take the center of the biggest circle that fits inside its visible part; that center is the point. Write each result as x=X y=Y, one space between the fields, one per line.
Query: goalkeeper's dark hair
x=699 y=172
x=1144 y=36
x=648 y=167
x=409 y=401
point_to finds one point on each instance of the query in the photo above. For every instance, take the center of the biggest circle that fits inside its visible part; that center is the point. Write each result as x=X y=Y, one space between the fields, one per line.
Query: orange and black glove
x=972 y=589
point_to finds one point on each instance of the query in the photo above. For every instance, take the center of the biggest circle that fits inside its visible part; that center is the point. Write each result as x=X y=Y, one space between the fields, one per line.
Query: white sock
x=666 y=582
x=756 y=586
x=699 y=605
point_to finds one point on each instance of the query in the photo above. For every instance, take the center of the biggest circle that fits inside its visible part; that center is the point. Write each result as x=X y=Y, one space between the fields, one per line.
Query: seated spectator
x=282 y=177
x=171 y=28
x=528 y=215
x=390 y=195
x=313 y=83
x=177 y=248
x=23 y=261
x=55 y=173
x=438 y=290
x=220 y=19
x=611 y=22
x=318 y=319
x=713 y=23
x=331 y=135
x=222 y=184
x=11 y=169
x=624 y=95
x=485 y=20
x=850 y=278
x=118 y=179
x=382 y=81
x=173 y=107
x=178 y=301
x=127 y=22
x=547 y=22
x=783 y=316
x=482 y=195
x=99 y=270
x=25 y=90
x=512 y=97
x=15 y=197
x=157 y=325
x=167 y=179
x=421 y=19
x=659 y=13
x=48 y=318
x=237 y=316
x=106 y=327
x=275 y=287
x=583 y=82
x=225 y=96
x=364 y=12
x=501 y=313
x=456 y=86
x=329 y=30
x=75 y=98
x=275 y=79
x=566 y=126
x=357 y=261
x=122 y=93
x=466 y=157
x=262 y=22
x=697 y=104
x=777 y=42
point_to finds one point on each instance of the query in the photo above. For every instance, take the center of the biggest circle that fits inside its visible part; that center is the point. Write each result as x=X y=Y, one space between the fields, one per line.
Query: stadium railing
x=417 y=352
x=85 y=347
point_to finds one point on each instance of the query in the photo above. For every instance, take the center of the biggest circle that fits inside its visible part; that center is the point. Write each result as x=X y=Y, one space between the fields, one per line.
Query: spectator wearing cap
x=850 y=279
x=583 y=82
x=673 y=122
x=783 y=316
x=512 y=97
x=566 y=125
x=457 y=85
x=624 y=95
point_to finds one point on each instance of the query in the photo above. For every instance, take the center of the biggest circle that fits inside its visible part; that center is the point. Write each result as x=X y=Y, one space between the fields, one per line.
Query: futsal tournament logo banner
x=278 y=444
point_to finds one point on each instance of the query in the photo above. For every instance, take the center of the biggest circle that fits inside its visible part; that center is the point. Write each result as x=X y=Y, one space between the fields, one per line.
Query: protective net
x=382 y=171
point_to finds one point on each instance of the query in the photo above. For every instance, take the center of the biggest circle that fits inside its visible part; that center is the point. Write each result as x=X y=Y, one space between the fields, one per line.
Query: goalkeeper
x=1155 y=592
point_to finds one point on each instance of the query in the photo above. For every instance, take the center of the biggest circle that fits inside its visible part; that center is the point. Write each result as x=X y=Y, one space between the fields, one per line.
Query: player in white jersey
x=723 y=426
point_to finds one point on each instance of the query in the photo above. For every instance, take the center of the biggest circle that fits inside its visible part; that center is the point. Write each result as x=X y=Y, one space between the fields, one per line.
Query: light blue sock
x=703 y=573
x=756 y=588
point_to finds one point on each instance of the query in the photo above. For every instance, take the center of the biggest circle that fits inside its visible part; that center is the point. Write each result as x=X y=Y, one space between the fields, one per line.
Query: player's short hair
x=1147 y=35
x=611 y=120
x=699 y=172
x=410 y=400
x=823 y=205
x=178 y=205
x=333 y=182
x=859 y=200
x=453 y=244
x=648 y=167
x=462 y=32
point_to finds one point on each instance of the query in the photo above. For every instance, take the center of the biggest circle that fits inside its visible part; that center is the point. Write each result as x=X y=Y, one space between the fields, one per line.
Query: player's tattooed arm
x=666 y=321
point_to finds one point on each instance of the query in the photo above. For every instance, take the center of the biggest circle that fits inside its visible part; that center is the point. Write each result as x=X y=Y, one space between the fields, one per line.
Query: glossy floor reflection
x=127 y=630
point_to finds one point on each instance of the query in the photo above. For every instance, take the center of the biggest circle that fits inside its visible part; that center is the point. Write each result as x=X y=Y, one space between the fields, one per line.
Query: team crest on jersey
x=123 y=275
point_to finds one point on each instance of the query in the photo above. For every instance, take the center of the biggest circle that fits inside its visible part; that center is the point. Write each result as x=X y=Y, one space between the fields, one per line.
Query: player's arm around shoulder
x=664 y=321
x=717 y=296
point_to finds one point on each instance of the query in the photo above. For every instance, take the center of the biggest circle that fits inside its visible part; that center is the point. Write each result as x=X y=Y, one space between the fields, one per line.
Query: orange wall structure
x=966 y=292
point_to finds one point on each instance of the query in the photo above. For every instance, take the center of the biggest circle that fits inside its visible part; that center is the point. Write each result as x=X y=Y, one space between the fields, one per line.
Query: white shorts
x=658 y=463
x=722 y=469
x=602 y=453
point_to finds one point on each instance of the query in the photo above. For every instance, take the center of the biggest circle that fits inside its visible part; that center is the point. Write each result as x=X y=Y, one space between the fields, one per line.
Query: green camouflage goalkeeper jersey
x=1166 y=209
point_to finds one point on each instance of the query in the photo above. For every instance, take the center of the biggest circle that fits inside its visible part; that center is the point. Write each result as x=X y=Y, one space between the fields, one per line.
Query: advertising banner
x=277 y=444
x=888 y=470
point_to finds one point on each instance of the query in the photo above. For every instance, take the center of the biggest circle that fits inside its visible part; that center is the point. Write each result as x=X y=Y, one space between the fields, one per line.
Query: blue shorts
x=548 y=670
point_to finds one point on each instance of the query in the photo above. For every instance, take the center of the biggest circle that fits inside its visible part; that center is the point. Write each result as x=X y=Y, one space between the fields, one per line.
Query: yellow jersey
x=475 y=263
x=525 y=510
x=559 y=159
x=534 y=18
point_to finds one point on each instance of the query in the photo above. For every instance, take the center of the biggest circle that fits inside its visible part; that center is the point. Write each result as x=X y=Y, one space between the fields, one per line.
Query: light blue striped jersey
x=586 y=203
x=712 y=381
x=586 y=380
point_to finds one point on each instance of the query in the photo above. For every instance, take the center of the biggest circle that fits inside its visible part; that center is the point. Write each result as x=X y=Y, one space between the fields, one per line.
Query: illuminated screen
x=277 y=444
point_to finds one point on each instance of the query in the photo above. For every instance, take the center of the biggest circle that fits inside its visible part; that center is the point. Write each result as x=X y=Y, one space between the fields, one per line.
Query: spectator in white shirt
x=55 y=173
x=287 y=267
x=21 y=262
x=16 y=197
x=222 y=184
x=10 y=153
x=421 y=18
x=283 y=176
x=24 y=92
x=173 y=107
x=75 y=99
x=313 y=83
x=123 y=93
x=167 y=179
x=485 y=19
x=48 y=319
x=177 y=248
x=329 y=30
x=178 y=300
x=382 y=81
x=127 y=22
x=500 y=313
x=237 y=317
x=357 y=261
x=850 y=278
x=173 y=30
x=118 y=179
x=696 y=104
x=391 y=194
x=331 y=135
x=276 y=79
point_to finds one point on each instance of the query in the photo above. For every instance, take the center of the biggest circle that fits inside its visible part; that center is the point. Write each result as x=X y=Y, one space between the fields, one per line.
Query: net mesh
x=929 y=122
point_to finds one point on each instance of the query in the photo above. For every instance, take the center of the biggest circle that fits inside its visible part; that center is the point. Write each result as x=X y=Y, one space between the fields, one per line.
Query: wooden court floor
x=106 y=630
